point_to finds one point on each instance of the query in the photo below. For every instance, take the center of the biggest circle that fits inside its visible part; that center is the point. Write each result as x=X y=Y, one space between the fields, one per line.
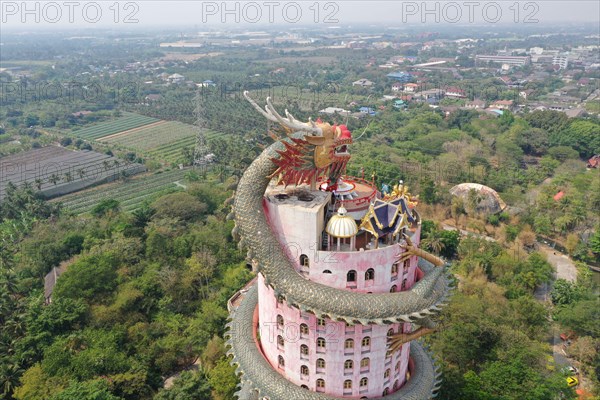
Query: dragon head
x=317 y=150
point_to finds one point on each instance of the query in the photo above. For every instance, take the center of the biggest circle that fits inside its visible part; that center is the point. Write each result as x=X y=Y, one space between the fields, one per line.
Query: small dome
x=484 y=199
x=341 y=225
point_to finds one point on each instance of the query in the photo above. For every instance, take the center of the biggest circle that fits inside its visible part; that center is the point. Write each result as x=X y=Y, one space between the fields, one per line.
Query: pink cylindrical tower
x=338 y=358
x=341 y=280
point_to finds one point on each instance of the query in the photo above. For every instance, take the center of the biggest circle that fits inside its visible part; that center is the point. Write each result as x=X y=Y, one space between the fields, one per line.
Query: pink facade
x=320 y=354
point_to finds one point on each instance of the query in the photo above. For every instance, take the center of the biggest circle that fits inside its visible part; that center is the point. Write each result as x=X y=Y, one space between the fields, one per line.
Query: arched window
x=365 y=363
x=403 y=287
x=394 y=270
x=348 y=384
x=351 y=276
x=349 y=344
x=281 y=361
x=280 y=321
x=304 y=260
x=320 y=322
x=320 y=343
x=390 y=332
x=370 y=274
x=366 y=341
x=304 y=370
x=393 y=289
x=303 y=350
x=320 y=384
x=364 y=382
x=304 y=387
x=396 y=385
x=280 y=342
x=303 y=329
x=387 y=373
x=327 y=271
x=320 y=363
x=398 y=366
x=348 y=364
x=386 y=391
x=279 y=299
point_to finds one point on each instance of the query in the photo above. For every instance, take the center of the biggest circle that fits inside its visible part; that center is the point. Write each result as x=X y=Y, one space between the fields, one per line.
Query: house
x=363 y=83
x=367 y=110
x=206 y=83
x=397 y=86
x=455 y=92
x=152 y=97
x=80 y=114
x=400 y=104
x=583 y=81
x=410 y=87
x=176 y=78
x=594 y=162
x=475 y=104
x=334 y=110
x=502 y=104
x=401 y=76
x=525 y=93
x=575 y=112
x=50 y=281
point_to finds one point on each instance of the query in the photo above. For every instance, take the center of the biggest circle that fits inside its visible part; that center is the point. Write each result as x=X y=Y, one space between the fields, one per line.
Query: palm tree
x=433 y=243
x=39 y=183
x=81 y=173
x=68 y=177
x=54 y=179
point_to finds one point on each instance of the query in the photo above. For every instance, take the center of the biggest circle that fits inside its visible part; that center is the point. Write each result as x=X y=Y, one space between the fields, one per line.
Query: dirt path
x=115 y=135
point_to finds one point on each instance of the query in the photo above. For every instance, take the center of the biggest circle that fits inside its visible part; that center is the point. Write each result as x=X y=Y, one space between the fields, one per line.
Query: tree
x=533 y=141
x=104 y=207
x=428 y=191
x=37 y=385
x=223 y=380
x=450 y=241
x=189 y=386
x=581 y=317
x=595 y=243
x=182 y=206
x=564 y=292
x=87 y=278
x=90 y=390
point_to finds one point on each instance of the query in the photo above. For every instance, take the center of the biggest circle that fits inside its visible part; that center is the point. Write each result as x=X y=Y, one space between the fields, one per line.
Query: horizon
x=210 y=15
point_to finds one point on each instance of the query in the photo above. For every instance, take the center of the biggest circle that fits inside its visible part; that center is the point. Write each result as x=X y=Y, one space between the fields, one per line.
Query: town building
x=502 y=104
x=401 y=76
x=510 y=60
x=362 y=83
x=476 y=104
x=454 y=92
x=561 y=61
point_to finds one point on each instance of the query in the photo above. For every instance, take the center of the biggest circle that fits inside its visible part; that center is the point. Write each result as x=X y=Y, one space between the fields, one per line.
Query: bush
x=103 y=207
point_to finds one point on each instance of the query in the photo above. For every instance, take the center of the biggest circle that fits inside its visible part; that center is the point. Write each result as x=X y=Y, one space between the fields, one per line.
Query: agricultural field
x=163 y=140
x=130 y=194
x=56 y=171
x=126 y=122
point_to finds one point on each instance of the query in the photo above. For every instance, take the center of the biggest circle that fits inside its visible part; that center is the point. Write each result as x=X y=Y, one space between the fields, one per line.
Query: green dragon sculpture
x=320 y=148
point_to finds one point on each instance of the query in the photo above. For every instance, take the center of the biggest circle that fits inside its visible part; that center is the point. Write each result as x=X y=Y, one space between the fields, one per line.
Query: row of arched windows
x=369 y=275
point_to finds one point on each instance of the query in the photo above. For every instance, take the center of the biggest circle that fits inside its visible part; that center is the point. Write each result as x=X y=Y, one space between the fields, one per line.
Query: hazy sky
x=215 y=14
